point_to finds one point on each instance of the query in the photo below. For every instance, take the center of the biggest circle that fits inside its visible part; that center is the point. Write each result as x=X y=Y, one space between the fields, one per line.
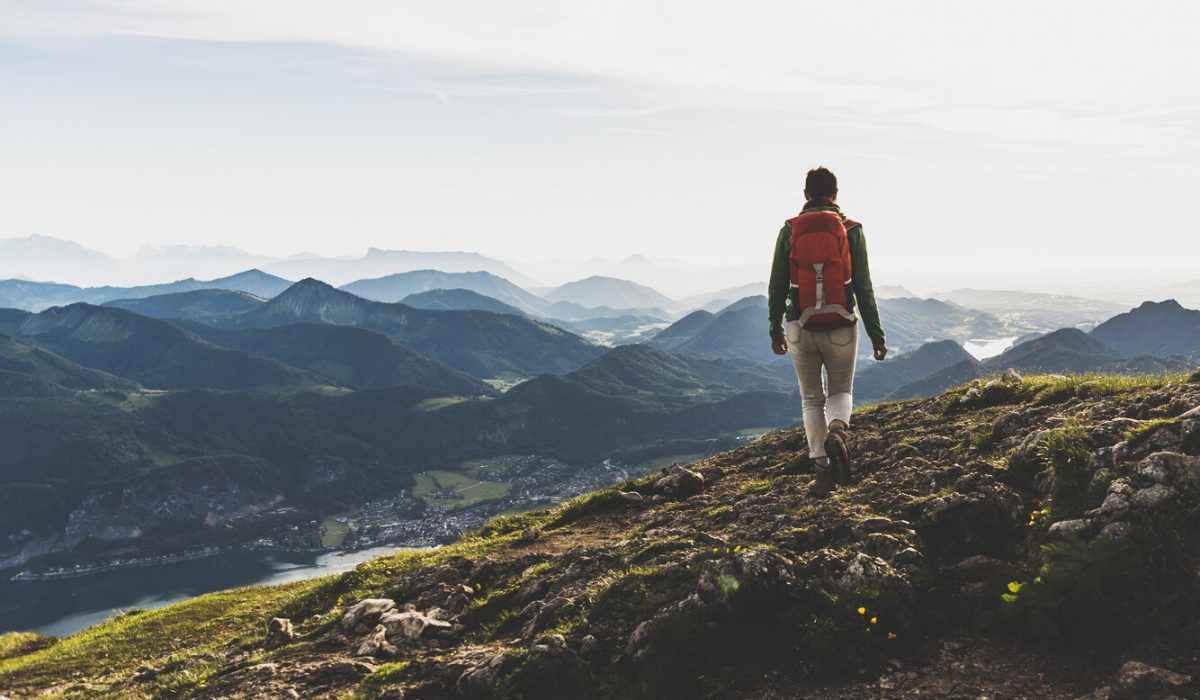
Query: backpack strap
x=849 y=224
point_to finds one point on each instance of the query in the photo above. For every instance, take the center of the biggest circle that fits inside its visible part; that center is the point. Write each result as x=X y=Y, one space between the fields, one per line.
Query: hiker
x=818 y=275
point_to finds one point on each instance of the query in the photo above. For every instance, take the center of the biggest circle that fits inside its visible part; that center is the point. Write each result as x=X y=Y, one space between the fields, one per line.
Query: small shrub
x=983 y=438
x=1065 y=452
x=1077 y=590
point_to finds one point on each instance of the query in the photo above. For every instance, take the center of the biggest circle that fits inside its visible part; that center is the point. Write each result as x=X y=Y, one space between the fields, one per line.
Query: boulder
x=376 y=645
x=479 y=680
x=411 y=624
x=679 y=482
x=279 y=633
x=1139 y=680
x=362 y=617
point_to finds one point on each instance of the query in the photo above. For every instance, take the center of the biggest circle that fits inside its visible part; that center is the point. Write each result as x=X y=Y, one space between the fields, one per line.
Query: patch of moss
x=1138 y=433
x=660 y=546
x=378 y=680
x=757 y=486
x=717 y=510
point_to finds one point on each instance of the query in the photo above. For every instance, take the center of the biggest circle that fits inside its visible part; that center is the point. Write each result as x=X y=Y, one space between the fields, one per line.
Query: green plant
x=1064 y=451
x=1138 y=433
x=1077 y=590
x=379 y=679
x=756 y=486
x=983 y=438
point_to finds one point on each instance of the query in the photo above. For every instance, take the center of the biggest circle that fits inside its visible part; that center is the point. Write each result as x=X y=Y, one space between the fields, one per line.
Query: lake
x=63 y=606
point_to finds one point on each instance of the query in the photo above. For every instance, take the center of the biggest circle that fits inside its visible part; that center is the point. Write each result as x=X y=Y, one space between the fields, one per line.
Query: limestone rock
x=364 y=615
x=279 y=633
x=411 y=624
x=376 y=644
x=1139 y=680
x=679 y=482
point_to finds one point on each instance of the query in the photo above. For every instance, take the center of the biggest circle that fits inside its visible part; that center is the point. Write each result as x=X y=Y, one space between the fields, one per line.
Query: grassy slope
x=99 y=661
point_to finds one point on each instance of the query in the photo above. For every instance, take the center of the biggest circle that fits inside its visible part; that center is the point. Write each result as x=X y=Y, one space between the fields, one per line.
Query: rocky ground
x=1023 y=538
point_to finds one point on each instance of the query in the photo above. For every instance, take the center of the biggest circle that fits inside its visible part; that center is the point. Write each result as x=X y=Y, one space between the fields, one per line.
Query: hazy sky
x=1050 y=142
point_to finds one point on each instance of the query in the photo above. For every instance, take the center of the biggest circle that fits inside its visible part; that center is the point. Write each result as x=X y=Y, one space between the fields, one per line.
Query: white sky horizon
x=1030 y=142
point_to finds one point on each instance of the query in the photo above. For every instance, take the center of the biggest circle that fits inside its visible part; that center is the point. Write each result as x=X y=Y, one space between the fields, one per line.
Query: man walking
x=819 y=275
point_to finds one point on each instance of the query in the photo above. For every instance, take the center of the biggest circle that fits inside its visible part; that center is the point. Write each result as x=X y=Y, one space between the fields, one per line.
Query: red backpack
x=820 y=262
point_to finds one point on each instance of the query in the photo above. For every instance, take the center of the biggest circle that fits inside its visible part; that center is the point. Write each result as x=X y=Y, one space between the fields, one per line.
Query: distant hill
x=611 y=292
x=715 y=301
x=39 y=257
x=458 y=300
x=960 y=373
x=36 y=296
x=201 y=305
x=394 y=288
x=1162 y=328
x=351 y=357
x=1065 y=351
x=153 y=352
x=647 y=374
x=1027 y=312
x=875 y=380
x=380 y=263
x=44 y=367
x=738 y=331
x=910 y=323
x=480 y=343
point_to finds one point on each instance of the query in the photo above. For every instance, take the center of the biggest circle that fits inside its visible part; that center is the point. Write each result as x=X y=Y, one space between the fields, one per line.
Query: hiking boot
x=839 y=454
x=822 y=483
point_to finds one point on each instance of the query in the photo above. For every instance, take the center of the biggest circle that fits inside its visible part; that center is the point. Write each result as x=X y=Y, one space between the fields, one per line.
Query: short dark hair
x=821 y=183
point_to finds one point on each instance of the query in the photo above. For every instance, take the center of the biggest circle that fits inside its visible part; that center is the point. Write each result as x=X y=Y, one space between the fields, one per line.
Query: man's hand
x=881 y=351
x=779 y=345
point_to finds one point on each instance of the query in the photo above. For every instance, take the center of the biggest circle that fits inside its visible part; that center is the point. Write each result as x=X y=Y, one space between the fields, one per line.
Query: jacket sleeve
x=777 y=288
x=864 y=291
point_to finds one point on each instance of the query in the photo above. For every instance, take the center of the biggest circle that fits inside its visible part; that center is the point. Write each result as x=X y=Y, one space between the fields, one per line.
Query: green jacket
x=779 y=299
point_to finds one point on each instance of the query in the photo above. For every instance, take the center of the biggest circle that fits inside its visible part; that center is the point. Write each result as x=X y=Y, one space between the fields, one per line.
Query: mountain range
x=1163 y=328
x=153 y=352
x=1065 y=351
x=36 y=296
x=480 y=343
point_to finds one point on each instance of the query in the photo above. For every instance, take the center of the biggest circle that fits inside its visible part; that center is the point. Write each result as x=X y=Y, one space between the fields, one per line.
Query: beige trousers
x=825 y=368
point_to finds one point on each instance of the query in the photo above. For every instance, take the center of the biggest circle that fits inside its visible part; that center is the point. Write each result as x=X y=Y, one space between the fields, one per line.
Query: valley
x=251 y=419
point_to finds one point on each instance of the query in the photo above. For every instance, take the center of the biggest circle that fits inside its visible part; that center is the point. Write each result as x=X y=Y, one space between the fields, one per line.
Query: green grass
x=757 y=486
x=370 y=687
x=16 y=644
x=1049 y=388
x=1140 y=432
x=111 y=651
x=467 y=491
x=1065 y=451
x=333 y=533
x=438 y=403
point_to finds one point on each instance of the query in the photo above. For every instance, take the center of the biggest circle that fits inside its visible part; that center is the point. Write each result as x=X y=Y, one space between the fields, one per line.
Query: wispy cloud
x=982 y=71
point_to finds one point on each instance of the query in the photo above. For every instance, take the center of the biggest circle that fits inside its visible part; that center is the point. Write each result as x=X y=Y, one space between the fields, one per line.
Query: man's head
x=820 y=183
